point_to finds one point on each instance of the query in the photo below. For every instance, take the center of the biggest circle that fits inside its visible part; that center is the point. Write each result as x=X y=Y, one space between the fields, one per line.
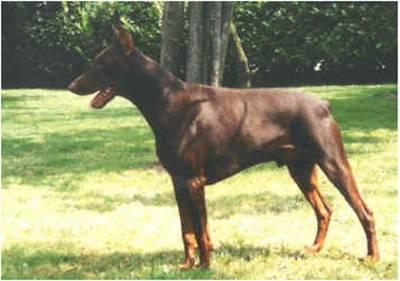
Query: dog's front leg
x=196 y=187
x=183 y=199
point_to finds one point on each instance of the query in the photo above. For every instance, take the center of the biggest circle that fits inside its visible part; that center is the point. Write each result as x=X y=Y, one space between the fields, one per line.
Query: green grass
x=84 y=198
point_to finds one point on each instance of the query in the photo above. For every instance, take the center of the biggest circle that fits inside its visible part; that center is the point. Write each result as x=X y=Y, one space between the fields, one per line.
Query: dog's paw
x=188 y=264
x=203 y=266
x=313 y=249
x=370 y=259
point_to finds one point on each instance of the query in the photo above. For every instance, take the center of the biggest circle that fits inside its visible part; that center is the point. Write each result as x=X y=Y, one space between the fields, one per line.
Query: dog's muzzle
x=103 y=97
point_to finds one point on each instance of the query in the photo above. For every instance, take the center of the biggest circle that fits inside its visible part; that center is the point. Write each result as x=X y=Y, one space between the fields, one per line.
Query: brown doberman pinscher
x=205 y=134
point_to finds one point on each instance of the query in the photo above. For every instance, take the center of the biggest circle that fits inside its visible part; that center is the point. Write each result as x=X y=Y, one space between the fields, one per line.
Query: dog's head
x=104 y=73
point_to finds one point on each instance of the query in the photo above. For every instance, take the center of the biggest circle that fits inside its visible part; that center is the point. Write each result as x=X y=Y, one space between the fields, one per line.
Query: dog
x=205 y=134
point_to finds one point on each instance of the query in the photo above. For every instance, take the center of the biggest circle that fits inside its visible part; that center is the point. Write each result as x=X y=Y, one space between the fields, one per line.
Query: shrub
x=52 y=41
x=47 y=43
x=287 y=41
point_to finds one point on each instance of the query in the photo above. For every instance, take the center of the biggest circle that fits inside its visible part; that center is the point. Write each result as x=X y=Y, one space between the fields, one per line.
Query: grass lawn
x=83 y=197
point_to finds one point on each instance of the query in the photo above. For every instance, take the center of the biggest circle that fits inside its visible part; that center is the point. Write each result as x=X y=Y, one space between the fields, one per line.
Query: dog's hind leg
x=305 y=175
x=335 y=165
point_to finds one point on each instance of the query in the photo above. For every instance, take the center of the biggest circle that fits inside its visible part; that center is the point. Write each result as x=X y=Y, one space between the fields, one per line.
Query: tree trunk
x=206 y=43
x=208 y=40
x=171 y=34
x=241 y=62
x=214 y=15
x=194 y=69
x=226 y=19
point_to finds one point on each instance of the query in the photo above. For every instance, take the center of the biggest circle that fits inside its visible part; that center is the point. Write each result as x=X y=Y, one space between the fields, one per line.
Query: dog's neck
x=150 y=88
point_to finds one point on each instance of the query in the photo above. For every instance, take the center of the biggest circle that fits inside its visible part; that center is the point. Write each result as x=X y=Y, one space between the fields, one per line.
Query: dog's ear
x=124 y=38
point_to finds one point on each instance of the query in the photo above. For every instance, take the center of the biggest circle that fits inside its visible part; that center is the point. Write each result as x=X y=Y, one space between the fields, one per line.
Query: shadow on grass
x=364 y=111
x=125 y=112
x=248 y=252
x=76 y=154
x=107 y=203
x=14 y=101
x=265 y=202
x=18 y=263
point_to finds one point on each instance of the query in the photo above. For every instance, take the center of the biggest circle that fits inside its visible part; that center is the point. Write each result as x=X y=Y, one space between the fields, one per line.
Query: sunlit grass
x=83 y=197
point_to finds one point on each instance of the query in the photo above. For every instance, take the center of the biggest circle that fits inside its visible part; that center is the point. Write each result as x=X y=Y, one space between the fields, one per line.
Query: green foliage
x=288 y=39
x=47 y=43
x=84 y=198
x=62 y=37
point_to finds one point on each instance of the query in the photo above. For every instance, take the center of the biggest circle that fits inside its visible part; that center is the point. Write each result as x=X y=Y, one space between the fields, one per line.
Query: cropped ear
x=124 y=38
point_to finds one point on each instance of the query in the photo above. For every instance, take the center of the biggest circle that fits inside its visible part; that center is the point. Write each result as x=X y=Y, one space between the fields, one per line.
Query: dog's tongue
x=102 y=98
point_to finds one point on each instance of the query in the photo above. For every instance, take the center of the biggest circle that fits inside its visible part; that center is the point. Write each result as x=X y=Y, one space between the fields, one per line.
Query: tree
x=349 y=42
x=207 y=39
x=226 y=20
x=214 y=18
x=195 y=45
x=171 y=35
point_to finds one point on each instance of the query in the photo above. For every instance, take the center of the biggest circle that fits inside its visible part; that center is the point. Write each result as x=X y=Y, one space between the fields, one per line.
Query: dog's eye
x=98 y=66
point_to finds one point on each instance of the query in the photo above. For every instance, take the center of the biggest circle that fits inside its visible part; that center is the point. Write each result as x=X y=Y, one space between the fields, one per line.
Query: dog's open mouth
x=102 y=98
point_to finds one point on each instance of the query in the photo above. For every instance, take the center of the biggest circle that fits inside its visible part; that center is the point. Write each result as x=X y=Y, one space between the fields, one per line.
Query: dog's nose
x=72 y=87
